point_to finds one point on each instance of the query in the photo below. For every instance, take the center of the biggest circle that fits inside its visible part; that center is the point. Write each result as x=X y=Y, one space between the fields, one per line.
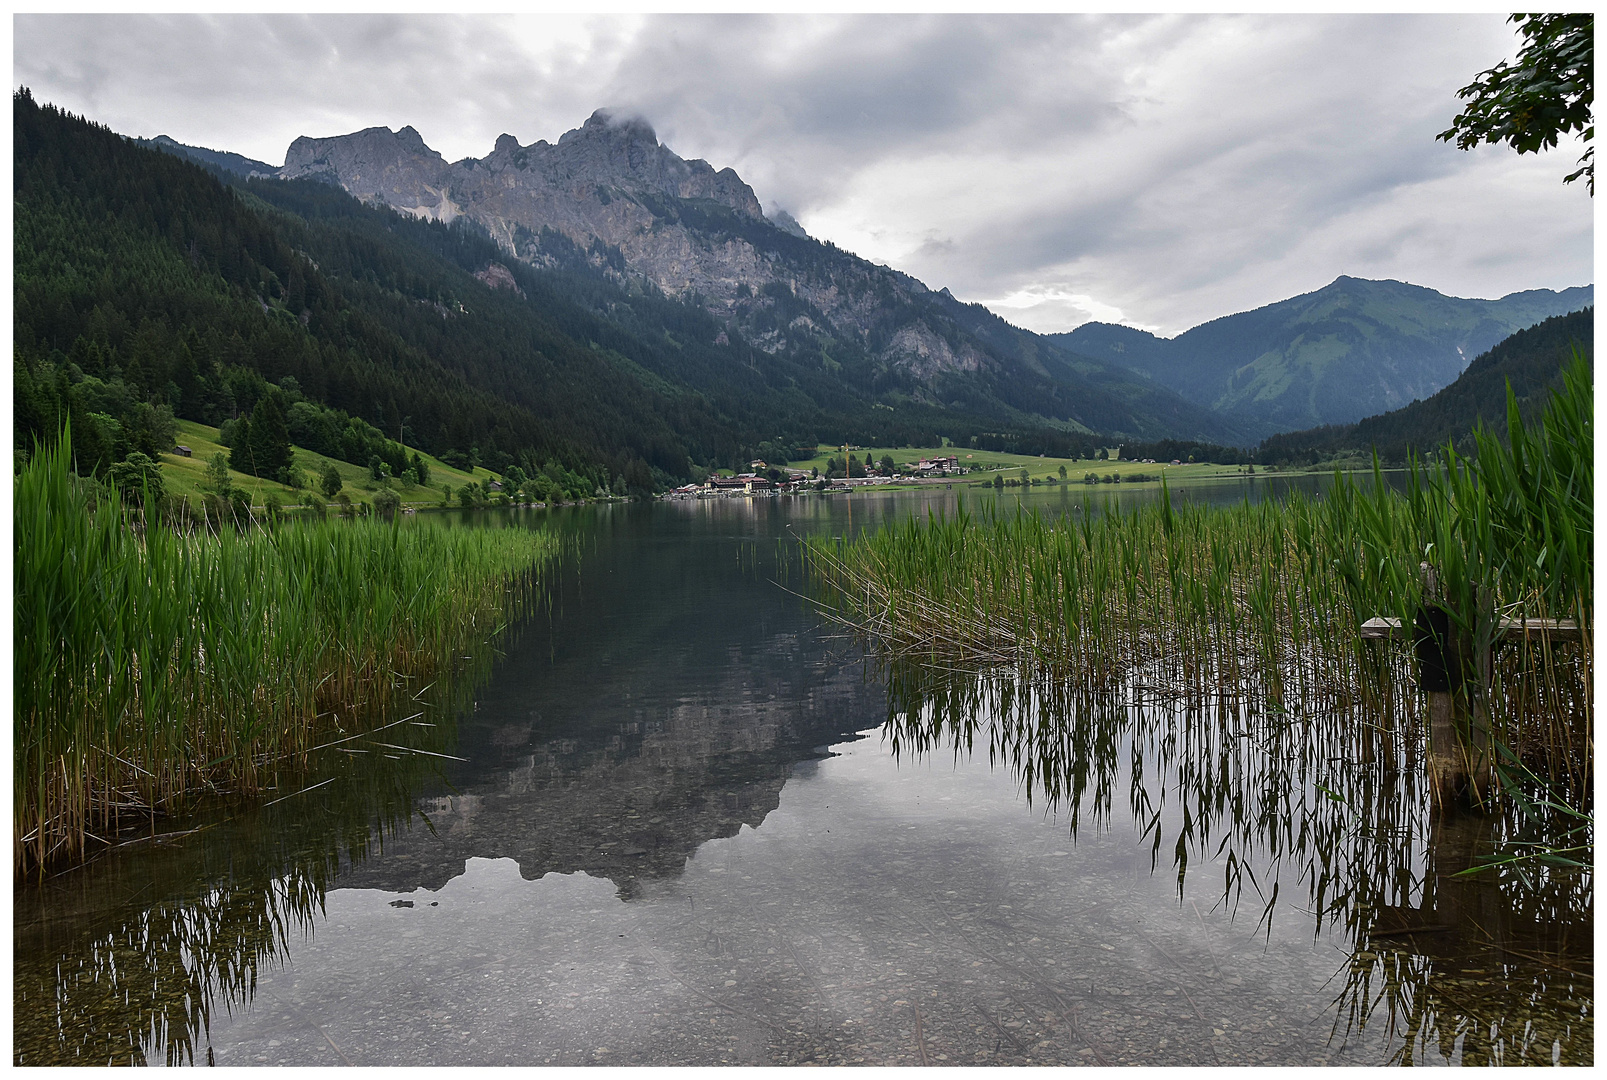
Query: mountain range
x=620 y=304
x=1530 y=363
x=641 y=215
x=1349 y=350
x=152 y=278
x=1354 y=348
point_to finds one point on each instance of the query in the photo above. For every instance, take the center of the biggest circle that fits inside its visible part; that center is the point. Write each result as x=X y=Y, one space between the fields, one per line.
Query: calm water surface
x=681 y=820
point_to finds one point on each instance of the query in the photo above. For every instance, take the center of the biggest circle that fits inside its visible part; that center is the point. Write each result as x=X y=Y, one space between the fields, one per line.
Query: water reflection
x=135 y=953
x=649 y=707
x=1326 y=805
x=658 y=735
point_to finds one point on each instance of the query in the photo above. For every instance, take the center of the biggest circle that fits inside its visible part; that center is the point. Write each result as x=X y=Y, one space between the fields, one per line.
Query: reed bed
x=1265 y=601
x=152 y=665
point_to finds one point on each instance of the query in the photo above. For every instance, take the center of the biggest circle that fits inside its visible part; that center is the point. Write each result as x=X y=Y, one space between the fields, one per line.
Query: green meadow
x=1039 y=469
x=185 y=477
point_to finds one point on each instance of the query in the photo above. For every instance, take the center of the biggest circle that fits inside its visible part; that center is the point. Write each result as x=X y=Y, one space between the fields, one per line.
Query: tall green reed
x=152 y=664
x=1267 y=600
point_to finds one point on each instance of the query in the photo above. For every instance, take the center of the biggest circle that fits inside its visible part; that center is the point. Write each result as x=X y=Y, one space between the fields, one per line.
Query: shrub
x=137 y=474
x=386 y=503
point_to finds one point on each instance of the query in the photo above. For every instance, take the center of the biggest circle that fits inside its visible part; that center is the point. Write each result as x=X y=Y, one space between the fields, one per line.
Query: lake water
x=683 y=821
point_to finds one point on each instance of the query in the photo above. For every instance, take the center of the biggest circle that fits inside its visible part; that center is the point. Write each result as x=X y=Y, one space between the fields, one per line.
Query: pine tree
x=217 y=476
x=263 y=447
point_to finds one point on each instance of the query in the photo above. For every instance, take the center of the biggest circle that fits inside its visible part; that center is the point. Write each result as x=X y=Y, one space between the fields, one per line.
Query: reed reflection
x=1287 y=812
x=144 y=983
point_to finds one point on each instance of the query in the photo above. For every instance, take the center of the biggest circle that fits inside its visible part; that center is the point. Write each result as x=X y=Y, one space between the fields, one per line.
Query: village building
x=747 y=483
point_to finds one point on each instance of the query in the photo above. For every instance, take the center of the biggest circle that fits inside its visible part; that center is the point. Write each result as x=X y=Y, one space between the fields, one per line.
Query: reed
x=1264 y=602
x=152 y=664
x=1291 y=811
x=136 y=984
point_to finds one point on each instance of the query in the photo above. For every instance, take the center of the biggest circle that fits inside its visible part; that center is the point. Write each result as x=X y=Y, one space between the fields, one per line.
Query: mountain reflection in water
x=650 y=856
x=619 y=735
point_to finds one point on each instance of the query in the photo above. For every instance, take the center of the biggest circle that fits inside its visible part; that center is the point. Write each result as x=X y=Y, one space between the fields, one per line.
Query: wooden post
x=1454 y=672
x=1430 y=639
x=1477 y=687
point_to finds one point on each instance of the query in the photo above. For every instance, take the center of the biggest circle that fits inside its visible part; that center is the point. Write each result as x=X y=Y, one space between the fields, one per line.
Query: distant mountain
x=217 y=160
x=1531 y=361
x=1354 y=348
x=609 y=197
x=1164 y=409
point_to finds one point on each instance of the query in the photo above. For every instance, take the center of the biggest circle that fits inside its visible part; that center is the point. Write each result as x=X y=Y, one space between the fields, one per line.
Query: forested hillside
x=1351 y=349
x=1531 y=361
x=148 y=287
x=145 y=288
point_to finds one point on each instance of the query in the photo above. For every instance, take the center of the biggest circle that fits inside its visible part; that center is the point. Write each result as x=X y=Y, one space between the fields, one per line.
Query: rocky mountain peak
x=614 y=124
x=377 y=165
x=787 y=224
x=371 y=146
x=410 y=139
x=620 y=150
x=613 y=150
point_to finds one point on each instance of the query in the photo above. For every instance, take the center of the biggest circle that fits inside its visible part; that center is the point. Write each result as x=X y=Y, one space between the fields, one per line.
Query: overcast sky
x=1154 y=171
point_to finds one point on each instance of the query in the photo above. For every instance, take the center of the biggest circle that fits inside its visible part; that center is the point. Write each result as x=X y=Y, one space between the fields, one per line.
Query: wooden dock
x=1506 y=629
x=1454 y=669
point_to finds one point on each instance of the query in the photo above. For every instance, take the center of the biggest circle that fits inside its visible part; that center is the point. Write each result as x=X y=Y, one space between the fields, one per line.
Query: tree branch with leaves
x=1546 y=94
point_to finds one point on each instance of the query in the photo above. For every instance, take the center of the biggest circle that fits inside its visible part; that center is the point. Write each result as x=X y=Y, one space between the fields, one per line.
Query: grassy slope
x=1531 y=360
x=185 y=476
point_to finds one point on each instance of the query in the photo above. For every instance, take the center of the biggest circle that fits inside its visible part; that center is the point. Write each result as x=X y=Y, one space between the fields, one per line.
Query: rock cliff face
x=609 y=196
x=609 y=180
x=688 y=229
x=378 y=165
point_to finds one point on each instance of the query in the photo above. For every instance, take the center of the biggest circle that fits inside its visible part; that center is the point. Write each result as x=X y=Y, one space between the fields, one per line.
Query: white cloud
x=1170 y=168
x=1052 y=309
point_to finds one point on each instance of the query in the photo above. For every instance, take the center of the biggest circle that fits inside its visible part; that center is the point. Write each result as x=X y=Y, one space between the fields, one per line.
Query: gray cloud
x=1158 y=169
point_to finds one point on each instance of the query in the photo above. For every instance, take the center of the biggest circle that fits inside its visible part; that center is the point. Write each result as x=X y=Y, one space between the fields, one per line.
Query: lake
x=679 y=818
